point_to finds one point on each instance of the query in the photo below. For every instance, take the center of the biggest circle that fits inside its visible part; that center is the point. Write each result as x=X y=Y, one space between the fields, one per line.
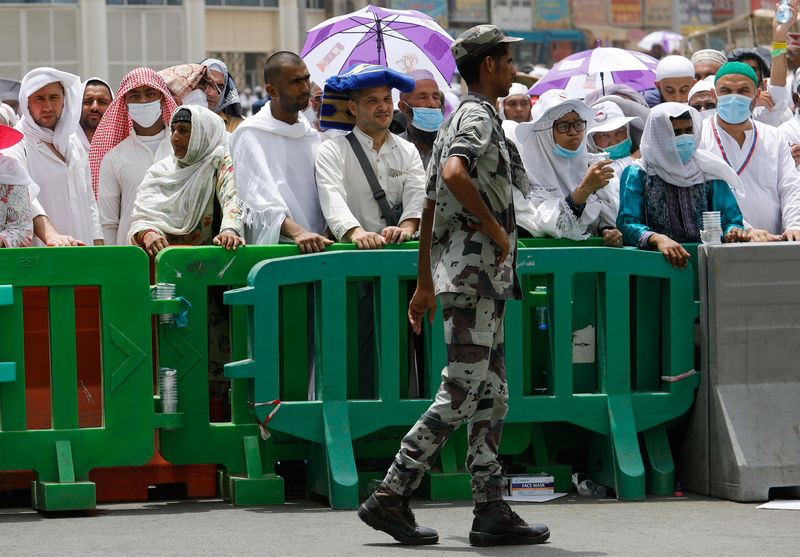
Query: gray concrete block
x=744 y=436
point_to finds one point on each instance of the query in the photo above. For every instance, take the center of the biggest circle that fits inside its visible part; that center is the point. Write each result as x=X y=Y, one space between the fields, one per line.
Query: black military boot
x=390 y=513
x=496 y=524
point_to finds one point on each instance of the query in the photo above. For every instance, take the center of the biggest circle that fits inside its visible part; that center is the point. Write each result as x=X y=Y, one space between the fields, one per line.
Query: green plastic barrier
x=249 y=463
x=63 y=455
x=614 y=411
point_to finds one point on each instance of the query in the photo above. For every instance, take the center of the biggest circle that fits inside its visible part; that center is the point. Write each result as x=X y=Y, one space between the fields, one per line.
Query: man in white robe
x=273 y=162
x=97 y=97
x=50 y=103
x=758 y=152
x=132 y=136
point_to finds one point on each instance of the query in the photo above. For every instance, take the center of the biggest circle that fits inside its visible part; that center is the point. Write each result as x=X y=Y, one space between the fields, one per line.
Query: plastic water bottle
x=587 y=488
x=541 y=311
x=784 y=12
x=168 y=389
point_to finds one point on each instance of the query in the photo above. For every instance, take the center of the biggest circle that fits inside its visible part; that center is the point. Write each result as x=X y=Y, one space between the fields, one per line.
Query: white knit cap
x=702 y=86
x=674 y=66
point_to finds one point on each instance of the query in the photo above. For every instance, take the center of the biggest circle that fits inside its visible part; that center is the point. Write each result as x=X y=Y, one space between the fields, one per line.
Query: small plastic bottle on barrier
x=541 y=311
x=784 y=12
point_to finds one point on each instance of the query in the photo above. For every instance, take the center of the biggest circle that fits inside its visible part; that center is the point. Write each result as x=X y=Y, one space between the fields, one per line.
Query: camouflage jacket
x=463 y=259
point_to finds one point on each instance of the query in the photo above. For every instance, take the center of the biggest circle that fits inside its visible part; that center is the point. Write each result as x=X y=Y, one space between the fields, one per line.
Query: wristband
x=777 y=46
x=778 y=52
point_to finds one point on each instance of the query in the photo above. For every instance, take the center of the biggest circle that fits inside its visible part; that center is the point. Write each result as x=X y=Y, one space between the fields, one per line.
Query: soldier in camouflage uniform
x=467 y=258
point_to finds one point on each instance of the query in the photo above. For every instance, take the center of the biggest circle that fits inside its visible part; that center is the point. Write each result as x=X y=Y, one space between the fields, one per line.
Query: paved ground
x=669 y=526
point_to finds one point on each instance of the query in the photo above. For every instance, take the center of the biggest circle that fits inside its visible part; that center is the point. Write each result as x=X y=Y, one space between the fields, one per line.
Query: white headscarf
x=70 y=115
x=12 y=173
x=660 y=152
x=543 y=166
x=175 y=192
x=8 y=114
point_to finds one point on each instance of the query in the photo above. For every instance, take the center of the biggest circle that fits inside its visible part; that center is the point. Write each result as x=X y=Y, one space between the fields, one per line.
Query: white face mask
x=195 y=97
x=310 y=115
x=145 y=114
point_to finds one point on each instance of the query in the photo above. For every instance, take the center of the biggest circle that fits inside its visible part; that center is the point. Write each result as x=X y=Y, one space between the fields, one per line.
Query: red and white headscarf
x=116 y=124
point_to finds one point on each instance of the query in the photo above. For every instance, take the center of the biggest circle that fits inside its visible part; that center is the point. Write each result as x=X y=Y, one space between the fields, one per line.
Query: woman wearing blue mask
x=664 y=194
x=568 y=198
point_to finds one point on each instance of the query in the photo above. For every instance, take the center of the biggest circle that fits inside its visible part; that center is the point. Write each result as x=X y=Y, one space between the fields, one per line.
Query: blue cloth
x=648 y=205
x=334 y=113
x=653 y=97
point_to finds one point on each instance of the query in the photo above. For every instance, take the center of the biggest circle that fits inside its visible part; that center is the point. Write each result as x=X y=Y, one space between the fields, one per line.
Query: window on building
x=243 y=3
x=31 y=37
x=152 y=38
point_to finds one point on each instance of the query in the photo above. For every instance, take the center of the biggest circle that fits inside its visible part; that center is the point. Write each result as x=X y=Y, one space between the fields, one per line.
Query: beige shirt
x=344 y=193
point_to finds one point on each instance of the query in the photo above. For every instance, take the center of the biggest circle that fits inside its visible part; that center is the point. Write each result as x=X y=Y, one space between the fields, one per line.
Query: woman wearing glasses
x=567 y=198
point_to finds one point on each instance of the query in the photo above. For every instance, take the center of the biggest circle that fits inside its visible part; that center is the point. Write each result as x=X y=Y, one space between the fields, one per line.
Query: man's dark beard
x=421 y=139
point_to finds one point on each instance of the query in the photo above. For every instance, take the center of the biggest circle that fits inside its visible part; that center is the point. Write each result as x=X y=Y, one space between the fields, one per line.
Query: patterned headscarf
x=182 y=79
x=228 y=101
x=116 y=124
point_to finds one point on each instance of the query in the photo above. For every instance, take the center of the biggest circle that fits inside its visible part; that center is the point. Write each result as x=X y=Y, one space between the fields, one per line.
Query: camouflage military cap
x=476 y=40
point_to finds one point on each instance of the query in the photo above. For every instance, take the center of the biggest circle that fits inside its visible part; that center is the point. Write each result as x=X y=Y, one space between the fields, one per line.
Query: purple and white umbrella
x=593 y=69
x=404 y=40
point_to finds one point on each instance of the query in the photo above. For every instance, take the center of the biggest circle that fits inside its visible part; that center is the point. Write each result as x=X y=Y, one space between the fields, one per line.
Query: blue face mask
x=566 y=153
x=686 y=147
x=733 y=108
x=427 y=119
x=620 y=150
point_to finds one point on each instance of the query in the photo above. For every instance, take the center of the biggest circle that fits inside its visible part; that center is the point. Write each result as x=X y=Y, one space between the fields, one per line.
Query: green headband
x=739 y=68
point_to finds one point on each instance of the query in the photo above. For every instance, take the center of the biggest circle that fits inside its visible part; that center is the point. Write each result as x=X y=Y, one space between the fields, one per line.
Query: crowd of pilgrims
x=178 y=156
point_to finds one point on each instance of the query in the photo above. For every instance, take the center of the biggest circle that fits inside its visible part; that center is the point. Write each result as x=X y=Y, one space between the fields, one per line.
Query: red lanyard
x=722 y=149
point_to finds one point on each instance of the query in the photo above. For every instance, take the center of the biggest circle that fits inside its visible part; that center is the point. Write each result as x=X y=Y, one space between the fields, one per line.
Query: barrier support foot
x=448 y=482
x=66 y=494
x=332 y=468
x=256 y=488
x=662 y=467
x=615 y=460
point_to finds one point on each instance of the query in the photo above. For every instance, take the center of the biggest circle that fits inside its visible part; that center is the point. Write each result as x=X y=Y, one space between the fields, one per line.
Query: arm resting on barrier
x=424 y=298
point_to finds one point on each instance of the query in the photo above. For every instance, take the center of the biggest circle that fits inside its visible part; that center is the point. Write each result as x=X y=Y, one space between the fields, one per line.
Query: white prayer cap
x=517 y=89
x=609 y=117
x=710 y=54
x=701 y=86
x=419 y=75
x=674 y=66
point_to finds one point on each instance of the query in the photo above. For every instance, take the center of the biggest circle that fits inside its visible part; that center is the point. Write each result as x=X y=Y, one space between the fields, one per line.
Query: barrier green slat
x=614 y=341
x=294 y=338
x=388 y=327
x=514 y=347
x=647 y=334
x=351 y=324
x=63 y=358
x=332 y=368
x=561 y=335
x=12 y=350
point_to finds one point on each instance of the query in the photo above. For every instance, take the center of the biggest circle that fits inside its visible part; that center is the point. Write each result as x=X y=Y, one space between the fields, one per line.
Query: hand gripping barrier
x=63 y=454
x=615 y=413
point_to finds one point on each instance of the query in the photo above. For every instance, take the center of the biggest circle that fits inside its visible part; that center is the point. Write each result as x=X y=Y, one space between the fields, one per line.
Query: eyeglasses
x=563 y=127
x=709 y=105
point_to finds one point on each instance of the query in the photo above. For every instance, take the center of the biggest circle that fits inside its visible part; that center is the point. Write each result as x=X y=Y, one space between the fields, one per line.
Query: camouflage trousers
x=473 y=389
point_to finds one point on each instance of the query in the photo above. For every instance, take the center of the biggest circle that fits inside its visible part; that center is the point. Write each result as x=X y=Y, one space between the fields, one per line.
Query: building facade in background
x=107 y=38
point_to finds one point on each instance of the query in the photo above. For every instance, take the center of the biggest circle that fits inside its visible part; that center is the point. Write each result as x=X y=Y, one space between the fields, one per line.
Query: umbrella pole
x=603 y=83
x=379 y=39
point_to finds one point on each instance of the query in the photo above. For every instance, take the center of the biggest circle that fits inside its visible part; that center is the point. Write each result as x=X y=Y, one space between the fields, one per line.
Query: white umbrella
x=669 y=41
